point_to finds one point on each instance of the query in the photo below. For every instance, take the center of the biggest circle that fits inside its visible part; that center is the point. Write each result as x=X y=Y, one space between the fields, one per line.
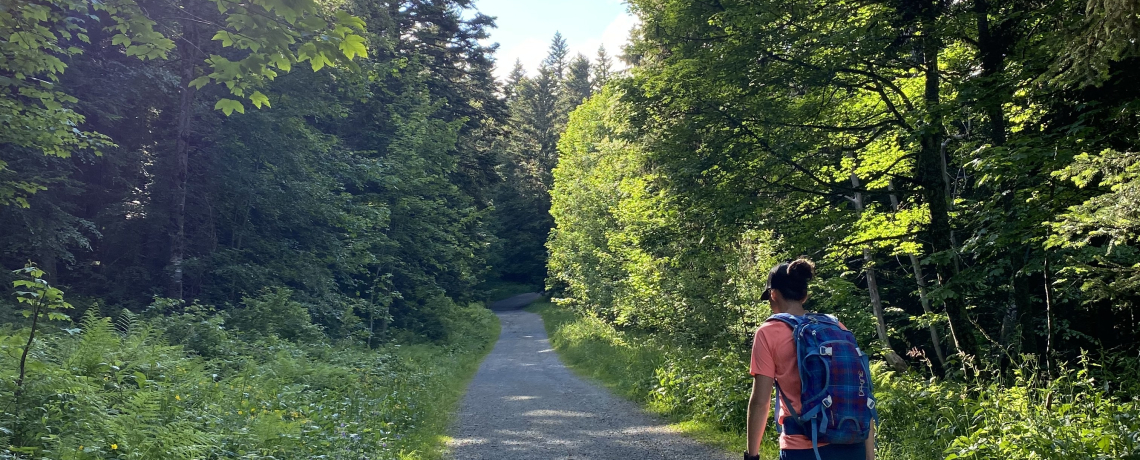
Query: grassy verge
x=455 y=368
x=637 y=367
x=704 y=392
x=119 y=389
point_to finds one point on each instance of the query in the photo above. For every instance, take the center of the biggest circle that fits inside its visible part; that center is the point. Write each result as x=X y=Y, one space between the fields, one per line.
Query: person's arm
x=758 y=405
x=869 y=444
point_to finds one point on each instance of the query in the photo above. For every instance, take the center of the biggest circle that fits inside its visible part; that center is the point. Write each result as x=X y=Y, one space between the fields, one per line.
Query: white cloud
x=532 y=51
x=614 y=38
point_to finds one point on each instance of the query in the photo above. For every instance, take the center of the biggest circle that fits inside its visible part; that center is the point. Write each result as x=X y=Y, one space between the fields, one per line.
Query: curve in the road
x=516 y=302
x=525 y=404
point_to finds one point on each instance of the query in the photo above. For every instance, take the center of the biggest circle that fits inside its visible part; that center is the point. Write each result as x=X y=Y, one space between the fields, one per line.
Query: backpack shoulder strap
x=821 y=318
x=793 y=322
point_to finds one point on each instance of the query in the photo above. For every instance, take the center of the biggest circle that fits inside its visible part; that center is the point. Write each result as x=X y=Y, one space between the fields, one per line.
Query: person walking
x=775 y=364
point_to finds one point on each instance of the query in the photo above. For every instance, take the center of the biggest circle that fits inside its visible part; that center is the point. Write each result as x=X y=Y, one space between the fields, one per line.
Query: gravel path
x=516 y=302
x=524 y=404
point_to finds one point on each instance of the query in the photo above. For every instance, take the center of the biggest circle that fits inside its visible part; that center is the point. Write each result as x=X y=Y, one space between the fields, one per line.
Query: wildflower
x=114 y=447
x=177 y=398
x=240 y=412
x=81 y=448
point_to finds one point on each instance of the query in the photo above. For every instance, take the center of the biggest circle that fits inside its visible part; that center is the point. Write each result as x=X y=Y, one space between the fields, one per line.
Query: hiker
x=841 y=413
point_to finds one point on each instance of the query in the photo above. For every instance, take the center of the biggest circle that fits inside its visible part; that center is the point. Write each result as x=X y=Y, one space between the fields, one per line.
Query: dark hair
x=791 y=279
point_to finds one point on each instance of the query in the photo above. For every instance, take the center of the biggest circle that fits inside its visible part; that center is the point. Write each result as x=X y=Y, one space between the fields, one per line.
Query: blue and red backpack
x=837 y=402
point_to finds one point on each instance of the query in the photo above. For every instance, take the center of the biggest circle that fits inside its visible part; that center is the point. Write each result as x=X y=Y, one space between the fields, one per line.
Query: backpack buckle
x=871 y=403
x=825 y=351
x=827 y=401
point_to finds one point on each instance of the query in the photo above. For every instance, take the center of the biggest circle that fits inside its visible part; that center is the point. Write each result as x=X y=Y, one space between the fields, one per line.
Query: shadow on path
x=525 y=404
x=516 y=302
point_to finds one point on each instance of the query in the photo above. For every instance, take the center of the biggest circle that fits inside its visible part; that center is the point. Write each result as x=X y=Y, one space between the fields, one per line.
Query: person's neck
x=794 y=309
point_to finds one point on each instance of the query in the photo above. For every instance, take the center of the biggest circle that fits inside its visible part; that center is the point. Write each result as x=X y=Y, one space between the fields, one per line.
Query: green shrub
x=1075 y=415
x=1070 y=416
x=274 y=312
x=121 y=390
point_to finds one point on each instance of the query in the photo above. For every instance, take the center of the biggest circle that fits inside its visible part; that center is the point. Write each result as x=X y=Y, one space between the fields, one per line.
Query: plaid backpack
x=837 y=404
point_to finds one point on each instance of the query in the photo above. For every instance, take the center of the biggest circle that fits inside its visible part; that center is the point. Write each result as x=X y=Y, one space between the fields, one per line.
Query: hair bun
x=802 y=268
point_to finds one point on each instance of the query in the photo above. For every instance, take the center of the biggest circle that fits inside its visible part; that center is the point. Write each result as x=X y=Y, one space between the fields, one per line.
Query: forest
x=267 y=229
x=260 y=230
x=963 y=173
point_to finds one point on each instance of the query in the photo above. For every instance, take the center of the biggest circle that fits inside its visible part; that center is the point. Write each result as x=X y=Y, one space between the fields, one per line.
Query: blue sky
x=525 y=28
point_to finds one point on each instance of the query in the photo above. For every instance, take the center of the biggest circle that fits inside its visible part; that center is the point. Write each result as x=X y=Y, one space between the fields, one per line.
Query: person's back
x=774 y=362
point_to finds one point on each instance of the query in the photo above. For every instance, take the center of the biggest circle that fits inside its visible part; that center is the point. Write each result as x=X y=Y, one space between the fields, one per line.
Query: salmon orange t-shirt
x=774 y=355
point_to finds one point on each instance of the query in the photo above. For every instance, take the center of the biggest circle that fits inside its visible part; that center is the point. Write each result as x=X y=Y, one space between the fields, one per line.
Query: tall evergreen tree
x=577 y=86
x=603 y=68
x=514 y=79
x=557 y=55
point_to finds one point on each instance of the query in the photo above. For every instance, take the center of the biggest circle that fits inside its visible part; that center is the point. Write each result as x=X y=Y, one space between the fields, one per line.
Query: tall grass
x=1084 y=412
x=120 y=389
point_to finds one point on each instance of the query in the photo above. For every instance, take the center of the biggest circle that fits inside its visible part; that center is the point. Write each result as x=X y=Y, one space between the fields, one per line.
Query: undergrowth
x=1083 y=412
x=188 y=385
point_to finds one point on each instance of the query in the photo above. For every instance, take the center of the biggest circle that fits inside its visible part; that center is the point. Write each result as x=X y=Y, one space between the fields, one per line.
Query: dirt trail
x=525 y=404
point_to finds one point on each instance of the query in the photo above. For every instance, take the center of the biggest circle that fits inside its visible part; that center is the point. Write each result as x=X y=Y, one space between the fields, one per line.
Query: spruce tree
x=576 y=88
x=556 y=58
x=603 y=68
x=514 y=79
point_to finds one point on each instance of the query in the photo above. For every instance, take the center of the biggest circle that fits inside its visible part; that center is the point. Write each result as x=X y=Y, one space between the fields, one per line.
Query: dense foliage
x=191 y=382
x=1025 y=417
x=258 y=193
x=963 y=173
x=966 y=192
x=362 y=185
x=538 y=106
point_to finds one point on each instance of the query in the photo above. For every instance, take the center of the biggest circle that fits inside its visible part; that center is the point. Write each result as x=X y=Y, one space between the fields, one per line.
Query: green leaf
x=282 y=62
x=352 y=46
x=350 y=20
x=224 y=37
x=199 y=82
x=318 y=62
x=228 y=106
x=258 y=99
x=120 y=39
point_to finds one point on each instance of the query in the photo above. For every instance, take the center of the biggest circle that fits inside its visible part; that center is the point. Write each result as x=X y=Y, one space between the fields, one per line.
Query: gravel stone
x=525 y=404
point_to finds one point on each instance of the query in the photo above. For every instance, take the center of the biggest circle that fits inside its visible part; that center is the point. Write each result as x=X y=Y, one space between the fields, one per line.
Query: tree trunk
x=188 y=54
x=916 y=266
x=991 y=51
x=929 y=166
x=892 y=358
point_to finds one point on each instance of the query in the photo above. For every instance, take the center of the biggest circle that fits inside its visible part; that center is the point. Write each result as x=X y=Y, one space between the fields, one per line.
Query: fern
x=127 y=321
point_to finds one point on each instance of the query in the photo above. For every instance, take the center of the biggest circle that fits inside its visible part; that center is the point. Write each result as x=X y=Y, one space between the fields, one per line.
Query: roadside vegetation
x=964 y=174
x=261 y=381
x=705 y=393
x=260 y=230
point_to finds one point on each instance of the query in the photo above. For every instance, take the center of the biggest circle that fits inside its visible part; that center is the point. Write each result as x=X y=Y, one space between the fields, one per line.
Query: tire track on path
x=525 y=404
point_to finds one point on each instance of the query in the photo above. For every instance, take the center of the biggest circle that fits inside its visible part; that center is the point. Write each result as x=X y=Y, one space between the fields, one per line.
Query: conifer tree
x=603 y=68
x=577 y=86
x=556 y=57
x=510 y=88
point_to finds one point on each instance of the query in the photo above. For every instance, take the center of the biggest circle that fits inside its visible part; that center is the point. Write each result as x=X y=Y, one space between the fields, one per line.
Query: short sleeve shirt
x=774 y=355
